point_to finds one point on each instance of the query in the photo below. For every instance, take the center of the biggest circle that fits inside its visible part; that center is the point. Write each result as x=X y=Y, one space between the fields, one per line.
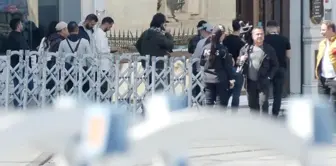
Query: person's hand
x=232 y=83
x=242 y=60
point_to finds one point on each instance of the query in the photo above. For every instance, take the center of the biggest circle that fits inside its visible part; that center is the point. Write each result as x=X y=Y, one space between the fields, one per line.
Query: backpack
x=73 y=50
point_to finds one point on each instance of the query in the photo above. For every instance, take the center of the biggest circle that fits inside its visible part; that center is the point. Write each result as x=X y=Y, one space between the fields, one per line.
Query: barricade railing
x=30 y=78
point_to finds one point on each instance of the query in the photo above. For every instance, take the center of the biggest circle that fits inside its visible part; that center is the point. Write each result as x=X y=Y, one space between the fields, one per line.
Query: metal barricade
x=30 y=78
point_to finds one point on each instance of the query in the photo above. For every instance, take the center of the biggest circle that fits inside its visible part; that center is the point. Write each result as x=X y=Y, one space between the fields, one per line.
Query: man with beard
x=103 y=49
x=86 y=30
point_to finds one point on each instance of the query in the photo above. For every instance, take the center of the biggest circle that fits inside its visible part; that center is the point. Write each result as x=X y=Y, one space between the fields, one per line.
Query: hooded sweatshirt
x=83 y=47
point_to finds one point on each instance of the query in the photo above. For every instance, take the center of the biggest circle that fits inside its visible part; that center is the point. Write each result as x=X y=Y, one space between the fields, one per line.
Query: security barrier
x=30 y=78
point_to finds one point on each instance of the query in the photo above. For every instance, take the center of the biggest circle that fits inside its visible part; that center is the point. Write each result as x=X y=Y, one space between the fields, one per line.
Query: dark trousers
x=197 y=89
x=257 y=96
x=236 y=90
x=159 y=86
x=278 y=83
x=327 y=87
x=69 y=84
x=216 y=92
x=18 y=92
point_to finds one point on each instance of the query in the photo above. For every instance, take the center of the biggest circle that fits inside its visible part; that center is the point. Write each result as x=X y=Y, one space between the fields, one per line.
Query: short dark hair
x=72 y=26
x=201 y=23
x=91 y=17
x=108 y=20
x=236 y=24
x=272 y=23
x=157 y=20
x=14 y=23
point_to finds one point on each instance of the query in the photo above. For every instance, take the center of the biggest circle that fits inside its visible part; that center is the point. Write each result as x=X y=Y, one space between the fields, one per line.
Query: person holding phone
x=156 y=42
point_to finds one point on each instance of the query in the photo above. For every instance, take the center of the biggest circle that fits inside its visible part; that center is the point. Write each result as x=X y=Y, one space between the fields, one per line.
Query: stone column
x=295 y=40
x=311 y=39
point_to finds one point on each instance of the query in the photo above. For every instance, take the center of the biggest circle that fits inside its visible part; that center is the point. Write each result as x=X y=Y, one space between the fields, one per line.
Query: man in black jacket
x=86 y=29
x=156 y=42
x=260 y=64
x=17 y=42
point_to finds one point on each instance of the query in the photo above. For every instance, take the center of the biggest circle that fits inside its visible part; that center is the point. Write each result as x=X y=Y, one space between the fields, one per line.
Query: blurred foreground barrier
x=104 y=138
x=35 y=79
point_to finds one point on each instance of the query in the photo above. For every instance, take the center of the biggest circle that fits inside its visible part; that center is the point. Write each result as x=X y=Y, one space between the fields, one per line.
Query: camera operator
x=259 y=64
x=282 y=47
x=234 y=43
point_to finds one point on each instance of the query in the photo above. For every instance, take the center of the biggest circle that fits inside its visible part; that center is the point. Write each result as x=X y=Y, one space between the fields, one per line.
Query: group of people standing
x=64 y=38
x=230 y=62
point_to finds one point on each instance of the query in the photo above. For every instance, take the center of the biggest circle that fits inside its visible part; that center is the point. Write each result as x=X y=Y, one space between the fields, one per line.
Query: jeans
x=214 y=90
x=17 y=92
x=327 y=87
x=236 y=90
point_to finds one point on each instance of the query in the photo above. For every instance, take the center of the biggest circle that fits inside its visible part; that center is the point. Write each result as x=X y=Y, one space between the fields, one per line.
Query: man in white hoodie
x=74 y=44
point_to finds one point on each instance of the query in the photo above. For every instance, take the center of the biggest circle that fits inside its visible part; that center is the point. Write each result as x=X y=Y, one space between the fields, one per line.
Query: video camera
x=246 y=32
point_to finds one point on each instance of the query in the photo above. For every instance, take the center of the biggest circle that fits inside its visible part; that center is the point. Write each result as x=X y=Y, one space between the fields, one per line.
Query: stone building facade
x=132 y=15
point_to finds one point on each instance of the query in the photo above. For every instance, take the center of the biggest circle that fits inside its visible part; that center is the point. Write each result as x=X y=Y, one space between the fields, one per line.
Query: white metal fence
x=29 y=78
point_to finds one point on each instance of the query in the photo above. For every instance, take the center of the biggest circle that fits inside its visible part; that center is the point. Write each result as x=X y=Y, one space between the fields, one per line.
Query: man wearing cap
x=61 y=34
x=194 y=40
x=205 y=31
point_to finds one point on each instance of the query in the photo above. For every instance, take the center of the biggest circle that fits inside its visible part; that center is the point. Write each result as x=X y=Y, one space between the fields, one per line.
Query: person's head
x=200 y=25
x=90 y=21
x=258 y=35
x=217 y=36
x=73 y=28
x=236 y=25
x=51 y=28
x=62 y=29
x=107 y=24
x=16 y=24
x=205 y=30
x=272 y=27
x=159 y=21
x=328 y=29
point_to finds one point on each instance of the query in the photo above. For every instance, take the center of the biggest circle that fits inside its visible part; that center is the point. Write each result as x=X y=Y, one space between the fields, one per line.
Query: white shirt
x=102 y=48
x=328 y=70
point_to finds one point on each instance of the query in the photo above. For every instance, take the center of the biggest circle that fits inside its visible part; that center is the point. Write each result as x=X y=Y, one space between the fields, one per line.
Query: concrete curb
x=41 y=159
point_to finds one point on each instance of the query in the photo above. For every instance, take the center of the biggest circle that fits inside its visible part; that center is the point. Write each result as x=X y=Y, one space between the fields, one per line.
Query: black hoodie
x=55 y=40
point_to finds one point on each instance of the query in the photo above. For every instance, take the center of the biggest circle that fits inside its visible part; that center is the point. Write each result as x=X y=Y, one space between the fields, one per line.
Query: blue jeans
x=236 y=90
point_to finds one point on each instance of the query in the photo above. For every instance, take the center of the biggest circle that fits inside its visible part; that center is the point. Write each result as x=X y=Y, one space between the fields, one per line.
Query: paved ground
x=211 y=152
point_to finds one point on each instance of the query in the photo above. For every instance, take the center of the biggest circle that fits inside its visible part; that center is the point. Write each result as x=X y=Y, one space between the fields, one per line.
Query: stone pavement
x=202 y=153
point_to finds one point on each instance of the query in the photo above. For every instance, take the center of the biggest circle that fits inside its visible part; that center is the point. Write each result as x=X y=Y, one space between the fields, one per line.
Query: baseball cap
x=61 y=25
x=207 y=27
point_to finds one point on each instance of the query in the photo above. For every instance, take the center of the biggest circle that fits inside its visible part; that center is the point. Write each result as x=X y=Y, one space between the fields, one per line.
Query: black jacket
x=155 y=43
x=220 y=68
x=193 y=43
x=54 y=41
x=83 y=34
x=16 y=42
x=268 y=67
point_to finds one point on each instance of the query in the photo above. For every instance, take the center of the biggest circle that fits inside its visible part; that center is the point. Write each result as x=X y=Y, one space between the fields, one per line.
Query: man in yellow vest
x=326 y=61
